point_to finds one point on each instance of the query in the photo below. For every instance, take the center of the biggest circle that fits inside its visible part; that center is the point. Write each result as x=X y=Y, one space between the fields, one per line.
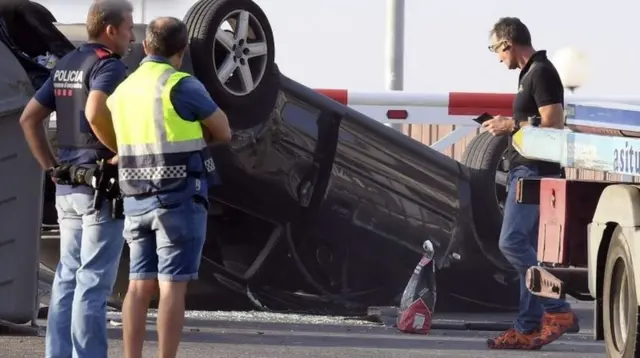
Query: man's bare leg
x=170 y=317
x=134 y=315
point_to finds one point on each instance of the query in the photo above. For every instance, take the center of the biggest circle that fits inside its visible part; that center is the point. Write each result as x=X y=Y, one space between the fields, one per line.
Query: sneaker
x=555 y=325
x=512 y=339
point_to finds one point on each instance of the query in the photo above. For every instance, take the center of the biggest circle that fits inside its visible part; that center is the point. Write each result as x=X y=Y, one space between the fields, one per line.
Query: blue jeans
x=519 y=245
x=90 y=247
x=166 y=243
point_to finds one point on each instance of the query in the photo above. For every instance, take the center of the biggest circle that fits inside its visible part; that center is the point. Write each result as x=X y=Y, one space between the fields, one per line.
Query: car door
x=281 y=167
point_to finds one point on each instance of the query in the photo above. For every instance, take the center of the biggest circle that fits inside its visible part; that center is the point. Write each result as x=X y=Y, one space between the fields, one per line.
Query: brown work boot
x=555 y=325
x=512 y=339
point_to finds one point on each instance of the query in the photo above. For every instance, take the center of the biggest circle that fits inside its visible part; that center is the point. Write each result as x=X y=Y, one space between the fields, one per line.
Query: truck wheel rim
x=619 y=304
x=240 y=52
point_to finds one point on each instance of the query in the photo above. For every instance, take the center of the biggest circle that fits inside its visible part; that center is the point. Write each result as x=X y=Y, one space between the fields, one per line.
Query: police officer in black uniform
x=90 y=238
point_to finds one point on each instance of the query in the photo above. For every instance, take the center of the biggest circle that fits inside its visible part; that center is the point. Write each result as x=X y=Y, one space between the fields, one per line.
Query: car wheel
x=232 y=51
x=484 y=157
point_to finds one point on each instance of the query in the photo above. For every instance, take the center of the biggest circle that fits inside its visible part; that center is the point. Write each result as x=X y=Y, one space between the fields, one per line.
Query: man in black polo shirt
x=540 y=93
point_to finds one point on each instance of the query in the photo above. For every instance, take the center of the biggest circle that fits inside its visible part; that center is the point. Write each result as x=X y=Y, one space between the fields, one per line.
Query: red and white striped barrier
x=452 y=104
x=453 y=108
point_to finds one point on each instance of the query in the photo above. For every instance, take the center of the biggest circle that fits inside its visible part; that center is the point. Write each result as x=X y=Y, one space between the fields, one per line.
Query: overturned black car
x=322 y=209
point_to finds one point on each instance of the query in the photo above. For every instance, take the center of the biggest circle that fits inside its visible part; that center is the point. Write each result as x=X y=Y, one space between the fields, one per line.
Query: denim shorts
x=166 y=243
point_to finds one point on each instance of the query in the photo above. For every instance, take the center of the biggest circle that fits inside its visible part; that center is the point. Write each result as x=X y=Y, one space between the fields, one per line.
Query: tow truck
x=589 y=229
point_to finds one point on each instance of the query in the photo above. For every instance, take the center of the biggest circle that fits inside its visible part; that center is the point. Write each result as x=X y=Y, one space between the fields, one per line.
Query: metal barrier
x=452 y=108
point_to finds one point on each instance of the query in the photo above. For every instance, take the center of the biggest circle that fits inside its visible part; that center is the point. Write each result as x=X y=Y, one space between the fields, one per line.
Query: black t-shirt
x=539 y=85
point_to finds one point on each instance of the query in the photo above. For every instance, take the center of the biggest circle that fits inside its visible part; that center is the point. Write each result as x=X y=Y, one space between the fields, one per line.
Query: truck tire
x=619 y=291
x=244 y=93
x=484 y=158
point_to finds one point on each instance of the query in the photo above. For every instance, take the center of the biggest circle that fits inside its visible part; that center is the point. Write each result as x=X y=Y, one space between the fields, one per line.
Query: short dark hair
x=512 y=29
x=103 y=13
x=166 y=36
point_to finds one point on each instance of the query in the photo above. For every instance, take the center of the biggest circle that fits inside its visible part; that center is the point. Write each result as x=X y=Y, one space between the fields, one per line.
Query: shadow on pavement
x=348 y=336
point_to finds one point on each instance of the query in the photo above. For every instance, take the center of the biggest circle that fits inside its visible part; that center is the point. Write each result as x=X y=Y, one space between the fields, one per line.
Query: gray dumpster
x=21 y=195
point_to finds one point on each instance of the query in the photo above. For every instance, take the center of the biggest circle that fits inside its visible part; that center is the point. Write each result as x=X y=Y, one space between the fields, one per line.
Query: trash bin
x=21 y=193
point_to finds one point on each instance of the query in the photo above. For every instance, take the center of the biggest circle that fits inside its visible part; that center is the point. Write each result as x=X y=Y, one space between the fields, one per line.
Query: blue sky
x=340 y=43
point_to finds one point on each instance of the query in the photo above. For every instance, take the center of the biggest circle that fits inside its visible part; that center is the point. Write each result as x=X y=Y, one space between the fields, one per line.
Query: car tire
x=618 y=270
x=256 y=113
x=483 y=157
x=204 y=19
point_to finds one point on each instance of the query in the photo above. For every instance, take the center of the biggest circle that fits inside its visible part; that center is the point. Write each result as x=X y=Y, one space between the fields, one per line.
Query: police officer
x=90 y=240
x=159 y=114
x=540 y=94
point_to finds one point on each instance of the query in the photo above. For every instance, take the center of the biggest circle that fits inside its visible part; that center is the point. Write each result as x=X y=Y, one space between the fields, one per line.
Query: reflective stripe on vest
x=154 y=143
x=162 y=172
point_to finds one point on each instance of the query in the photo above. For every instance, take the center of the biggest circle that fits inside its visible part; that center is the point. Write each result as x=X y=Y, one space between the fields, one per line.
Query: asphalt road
x=256 y=335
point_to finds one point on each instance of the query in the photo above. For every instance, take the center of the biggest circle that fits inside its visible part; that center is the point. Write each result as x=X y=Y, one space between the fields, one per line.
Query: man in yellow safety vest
x=158 y=115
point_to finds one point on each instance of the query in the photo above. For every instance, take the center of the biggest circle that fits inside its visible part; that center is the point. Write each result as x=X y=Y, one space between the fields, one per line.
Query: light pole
x=572 y=66
x=143 y=11
x=395 y=48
